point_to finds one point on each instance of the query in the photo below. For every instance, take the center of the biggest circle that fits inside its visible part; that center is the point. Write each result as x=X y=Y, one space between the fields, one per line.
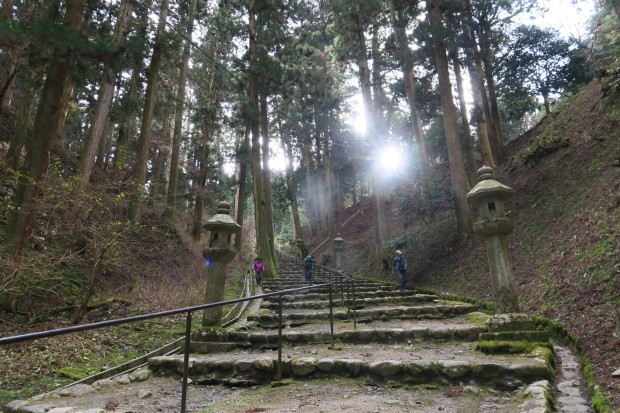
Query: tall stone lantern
x=217 y=257
x=488 y=196
x=338 y=249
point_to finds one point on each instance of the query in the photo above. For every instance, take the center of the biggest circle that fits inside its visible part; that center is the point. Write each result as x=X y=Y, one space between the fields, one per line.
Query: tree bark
x=264 y=127
x=243 y=158
x=22 y=122
x=292 y=190
x=406 y=63
x=458 y=176
x=171 y=196
x=262 y=232
x=104 y=102
x=144 y=140
x=49 y=116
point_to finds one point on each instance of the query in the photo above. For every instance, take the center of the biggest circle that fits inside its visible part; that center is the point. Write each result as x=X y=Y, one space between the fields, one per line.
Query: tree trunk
x=264 y=126
x=292 y=190
x=171 y=196
x=49 y=116
x=406 y=63
x=496 y=140
x=311 y=201
x=547 y=106
x=144 y=140
x=23 y=118
x=467 y=139
x=104 y=102
x=262 y=232
x=243 y=158
x=480 y=115
x=381 y=233
x=458 y=176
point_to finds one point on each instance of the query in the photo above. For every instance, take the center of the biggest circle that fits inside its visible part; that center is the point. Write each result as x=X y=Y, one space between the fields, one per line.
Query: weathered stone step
x=335 y=288
x=358 y=295
x=412 y=365
x=289 y=283
x=420 y=311
x=359 y=302
x=360 y=336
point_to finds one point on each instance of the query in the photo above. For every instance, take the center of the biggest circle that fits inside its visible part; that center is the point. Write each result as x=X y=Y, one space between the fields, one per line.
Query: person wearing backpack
x=399 y=268
x=308 y=263
x=259 y=269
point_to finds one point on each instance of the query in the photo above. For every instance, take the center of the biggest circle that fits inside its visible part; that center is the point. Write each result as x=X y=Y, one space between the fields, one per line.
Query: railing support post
x=188 y=333
x=331 y=315
x=279 y=377
x=354 y=315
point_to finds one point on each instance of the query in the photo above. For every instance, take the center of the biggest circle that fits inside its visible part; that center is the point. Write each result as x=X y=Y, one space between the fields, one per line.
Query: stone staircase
x=384 y=337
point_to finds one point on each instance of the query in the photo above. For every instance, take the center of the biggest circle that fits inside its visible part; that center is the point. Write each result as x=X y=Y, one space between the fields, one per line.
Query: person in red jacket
x=259 y=269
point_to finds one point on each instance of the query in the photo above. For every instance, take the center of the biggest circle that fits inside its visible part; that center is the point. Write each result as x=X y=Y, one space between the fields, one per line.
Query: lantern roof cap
x=222 y=220
x=489 y=187
x=338 y=238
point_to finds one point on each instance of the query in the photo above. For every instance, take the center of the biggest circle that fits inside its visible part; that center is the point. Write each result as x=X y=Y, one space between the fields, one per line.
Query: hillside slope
x=566 y=207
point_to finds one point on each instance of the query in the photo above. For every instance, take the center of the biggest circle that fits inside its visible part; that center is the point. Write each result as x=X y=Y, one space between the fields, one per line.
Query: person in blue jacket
x=399 y=268
x=308 y=263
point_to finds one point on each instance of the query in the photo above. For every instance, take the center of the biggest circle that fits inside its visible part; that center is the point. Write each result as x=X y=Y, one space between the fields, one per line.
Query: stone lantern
x=488 y=196
x=338 y=249
x=303 y=251
x=217 y=257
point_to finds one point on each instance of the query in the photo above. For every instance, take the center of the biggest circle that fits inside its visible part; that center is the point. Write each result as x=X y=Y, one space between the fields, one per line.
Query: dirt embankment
x=565 y=247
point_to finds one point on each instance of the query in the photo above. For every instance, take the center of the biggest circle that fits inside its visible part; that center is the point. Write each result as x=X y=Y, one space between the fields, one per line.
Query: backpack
x=308 y=264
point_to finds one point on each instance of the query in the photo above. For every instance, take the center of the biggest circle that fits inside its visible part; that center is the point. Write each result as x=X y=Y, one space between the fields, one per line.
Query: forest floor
x=565 y=248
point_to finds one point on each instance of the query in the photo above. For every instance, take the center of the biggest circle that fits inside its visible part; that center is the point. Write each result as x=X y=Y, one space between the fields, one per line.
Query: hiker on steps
x=308 y=263
x=399 y=268
x=259 y=269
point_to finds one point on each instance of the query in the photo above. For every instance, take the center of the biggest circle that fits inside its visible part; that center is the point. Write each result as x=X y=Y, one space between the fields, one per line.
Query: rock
x=471 y=390
x=140 y=375
x=387 y=368
x=455 y=369
x=264 y=364
x=103 y=383
x=91 y=411
x=61 y=410
x=143 y=394
x=122 y=379
x=14 y=406
x=243 y=365
x=616 y=373
x=303 y=366
x=34 y=409
x=77 y=390
x=325 y=364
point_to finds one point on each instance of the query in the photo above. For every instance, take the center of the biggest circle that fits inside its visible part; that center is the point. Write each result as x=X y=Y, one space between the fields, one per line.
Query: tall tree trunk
x=262 y=232
x=496 y=140
x=264 y=126
x=243 y=158
x=178 y=120
x=406 y=63
x=292 y=190
x=458 y=176
x=311 y=201
x=467 y=139
x=381 y=227
x=49 y=116
x=144 y=140
x=22 y=122
x=104 y=102
x=480 y=112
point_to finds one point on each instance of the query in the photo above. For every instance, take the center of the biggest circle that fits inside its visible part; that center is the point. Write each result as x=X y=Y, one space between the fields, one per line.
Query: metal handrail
x=188 y=327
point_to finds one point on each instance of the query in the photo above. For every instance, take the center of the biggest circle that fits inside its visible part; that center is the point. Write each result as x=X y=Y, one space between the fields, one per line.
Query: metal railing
x=188 y=327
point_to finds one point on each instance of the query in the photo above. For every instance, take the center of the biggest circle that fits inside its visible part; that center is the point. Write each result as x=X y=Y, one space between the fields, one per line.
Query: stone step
x=358 y=295
x=441 y=364
x=420 y=311
x=359 y=302
x=335 y=288
x=358 y=336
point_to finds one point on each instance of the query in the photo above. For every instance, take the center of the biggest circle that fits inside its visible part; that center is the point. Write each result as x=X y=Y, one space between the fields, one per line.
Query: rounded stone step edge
x=264 y=369
x=424 y=311
x=377 y=335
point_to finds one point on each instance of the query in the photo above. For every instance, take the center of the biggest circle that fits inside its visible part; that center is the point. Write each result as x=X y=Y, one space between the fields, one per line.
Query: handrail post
x=188 y=332
x=331 y=314
x=279 y=377
x=354 y=314
x=348 y=299
x=341 y=289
